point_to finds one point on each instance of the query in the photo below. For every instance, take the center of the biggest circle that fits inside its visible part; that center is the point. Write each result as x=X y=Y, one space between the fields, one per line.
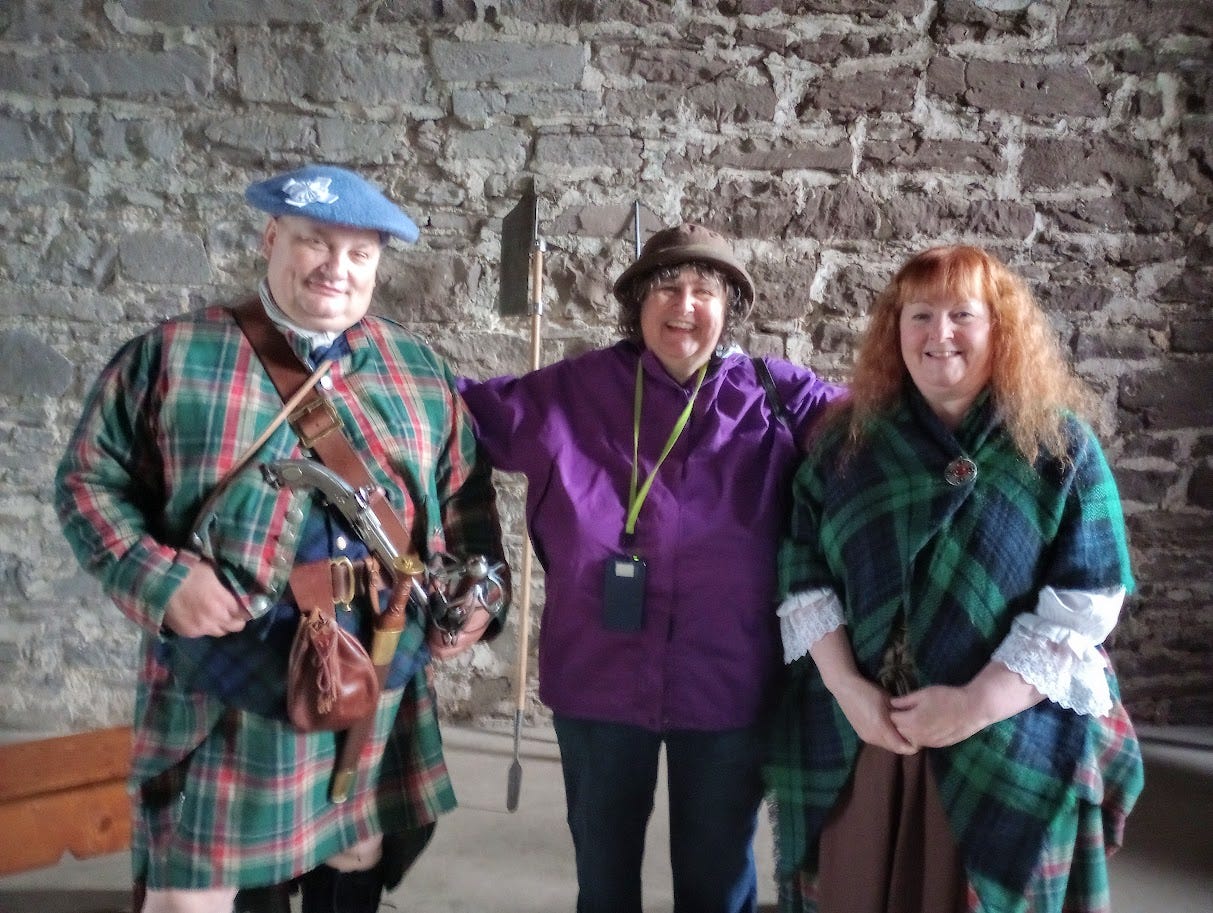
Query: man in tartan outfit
x=229 y=797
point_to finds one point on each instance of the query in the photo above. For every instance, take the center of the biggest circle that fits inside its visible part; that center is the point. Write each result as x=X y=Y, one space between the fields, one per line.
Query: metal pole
x=636 y=228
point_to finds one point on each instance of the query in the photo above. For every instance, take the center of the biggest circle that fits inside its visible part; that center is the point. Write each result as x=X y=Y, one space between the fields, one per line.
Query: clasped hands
x=932 y=717
x=935 y=716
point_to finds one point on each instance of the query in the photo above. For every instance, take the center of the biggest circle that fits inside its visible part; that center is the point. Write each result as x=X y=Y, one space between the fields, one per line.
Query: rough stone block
x=848 y=211
x=1200 y=487
x=1052 y=164
x=588 y=151
x=393 y=11
x=869 y=92
x=555 y=65
x=180 y=73
x=1193 y=336
x=429 y=287
x=856 y=8
x=1179 y=395
x=1073 y=299
x=726 y=101
x=27 y=138
x=507 y=146
x=75 y=305
x=1124 y=343
x=475 y=106
x=340 y=140
x=1001 y=219
x=946 y=78
x=661 y=64
x=784 y=288
x=947 y=156
x=331 y=74
x=1046 y=92
x=605 y=222
x=259 y=133
x=762 y=155
x=759 y=209
x=1145 y=486
x=1095 y=21
x=240 y=12
x=164 y=258
x=30 y=367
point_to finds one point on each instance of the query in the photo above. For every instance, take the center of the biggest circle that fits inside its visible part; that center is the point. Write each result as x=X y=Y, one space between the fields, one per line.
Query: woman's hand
x=864 y=703
x=867 y=709
x=941 y=715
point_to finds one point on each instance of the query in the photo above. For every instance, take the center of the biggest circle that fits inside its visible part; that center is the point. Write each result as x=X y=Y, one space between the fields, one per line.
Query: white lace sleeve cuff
x=1054 y=648
x=807 y=617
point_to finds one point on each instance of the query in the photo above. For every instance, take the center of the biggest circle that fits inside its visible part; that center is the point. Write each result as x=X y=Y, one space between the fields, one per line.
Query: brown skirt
x=886 y=847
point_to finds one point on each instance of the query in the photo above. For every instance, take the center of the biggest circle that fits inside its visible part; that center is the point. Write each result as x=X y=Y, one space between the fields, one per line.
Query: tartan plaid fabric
x=249 y=805
x=895 y=540
x=164 y=423
x=246 y=669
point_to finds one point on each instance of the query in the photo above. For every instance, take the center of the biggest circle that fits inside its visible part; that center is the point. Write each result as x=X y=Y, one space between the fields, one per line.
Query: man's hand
x=444 y=645
x=939 y=715
x=202 y=606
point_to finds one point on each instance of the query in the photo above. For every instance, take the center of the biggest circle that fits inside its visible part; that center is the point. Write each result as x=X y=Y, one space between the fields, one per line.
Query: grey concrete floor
x=485 y=858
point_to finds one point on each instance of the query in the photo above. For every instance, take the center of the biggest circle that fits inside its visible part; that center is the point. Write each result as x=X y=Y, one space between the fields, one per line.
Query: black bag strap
x=774 y=400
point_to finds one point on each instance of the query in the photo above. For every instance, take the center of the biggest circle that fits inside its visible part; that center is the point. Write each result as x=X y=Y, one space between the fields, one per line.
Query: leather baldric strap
x=315 y=419
x=319 y=427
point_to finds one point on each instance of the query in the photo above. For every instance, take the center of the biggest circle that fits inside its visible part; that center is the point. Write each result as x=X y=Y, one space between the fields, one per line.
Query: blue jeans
x=715 y=788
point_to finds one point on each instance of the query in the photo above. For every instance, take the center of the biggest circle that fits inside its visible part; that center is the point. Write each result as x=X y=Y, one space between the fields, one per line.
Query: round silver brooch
x=960 y=471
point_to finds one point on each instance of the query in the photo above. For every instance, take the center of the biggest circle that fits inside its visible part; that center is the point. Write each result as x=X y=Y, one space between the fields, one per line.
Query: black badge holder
x=623 y=593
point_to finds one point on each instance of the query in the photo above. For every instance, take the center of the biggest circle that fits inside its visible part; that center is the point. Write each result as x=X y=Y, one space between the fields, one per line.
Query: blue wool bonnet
x=334 y=195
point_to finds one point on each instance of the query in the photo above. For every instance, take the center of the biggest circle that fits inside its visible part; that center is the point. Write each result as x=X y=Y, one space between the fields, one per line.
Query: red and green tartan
x=164 y=423
x=253 y=805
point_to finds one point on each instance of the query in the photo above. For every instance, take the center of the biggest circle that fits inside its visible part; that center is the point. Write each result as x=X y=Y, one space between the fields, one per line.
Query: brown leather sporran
x=331 y=681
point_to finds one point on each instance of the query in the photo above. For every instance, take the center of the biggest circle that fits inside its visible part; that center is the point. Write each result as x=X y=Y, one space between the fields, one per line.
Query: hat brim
x=690 y=253
x=357 y=204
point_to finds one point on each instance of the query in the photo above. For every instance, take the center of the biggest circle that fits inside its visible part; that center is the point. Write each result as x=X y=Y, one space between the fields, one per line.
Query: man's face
x=322 y=276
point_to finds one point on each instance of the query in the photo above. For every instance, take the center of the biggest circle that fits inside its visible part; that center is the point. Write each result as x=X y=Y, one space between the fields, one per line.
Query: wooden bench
x=65 y=794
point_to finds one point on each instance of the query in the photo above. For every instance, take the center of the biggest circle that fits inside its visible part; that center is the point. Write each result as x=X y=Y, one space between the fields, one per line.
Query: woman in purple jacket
x=658 y=473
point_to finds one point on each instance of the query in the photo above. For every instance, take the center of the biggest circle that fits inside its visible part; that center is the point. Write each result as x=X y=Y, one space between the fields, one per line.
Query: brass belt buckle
x=312 y=427
x=346 y=576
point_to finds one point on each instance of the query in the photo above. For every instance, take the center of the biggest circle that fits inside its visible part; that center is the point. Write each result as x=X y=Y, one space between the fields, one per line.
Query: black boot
x=325 y=890
x=273 y=899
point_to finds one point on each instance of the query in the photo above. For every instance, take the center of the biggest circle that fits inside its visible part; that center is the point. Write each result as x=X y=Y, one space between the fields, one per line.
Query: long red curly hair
x=1032 y=383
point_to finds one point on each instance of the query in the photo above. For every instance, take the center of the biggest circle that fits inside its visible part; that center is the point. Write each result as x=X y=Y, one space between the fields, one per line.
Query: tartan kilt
x=249 y=805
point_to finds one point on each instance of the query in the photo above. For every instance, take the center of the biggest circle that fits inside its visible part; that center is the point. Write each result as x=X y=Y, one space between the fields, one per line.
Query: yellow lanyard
x=636 y=498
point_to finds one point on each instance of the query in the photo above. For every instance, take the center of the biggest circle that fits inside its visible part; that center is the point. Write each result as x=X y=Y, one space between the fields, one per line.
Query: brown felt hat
x=687 y=243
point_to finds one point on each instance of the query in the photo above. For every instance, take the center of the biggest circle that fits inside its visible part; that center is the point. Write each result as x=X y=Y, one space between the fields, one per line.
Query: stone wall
x=832 y=138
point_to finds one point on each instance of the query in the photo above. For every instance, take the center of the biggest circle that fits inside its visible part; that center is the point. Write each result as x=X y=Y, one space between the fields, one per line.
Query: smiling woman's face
x=681 y=320
x=945 y=343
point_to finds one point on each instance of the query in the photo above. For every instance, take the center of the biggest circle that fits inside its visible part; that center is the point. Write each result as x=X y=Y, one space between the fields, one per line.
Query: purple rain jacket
x=708 y=651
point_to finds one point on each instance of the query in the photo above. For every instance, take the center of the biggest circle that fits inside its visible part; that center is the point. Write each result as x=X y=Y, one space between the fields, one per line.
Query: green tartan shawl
x=958 y=562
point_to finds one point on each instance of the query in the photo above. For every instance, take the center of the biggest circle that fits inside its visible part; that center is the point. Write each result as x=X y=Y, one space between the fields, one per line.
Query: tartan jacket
x=174 y=411
x=958 y=563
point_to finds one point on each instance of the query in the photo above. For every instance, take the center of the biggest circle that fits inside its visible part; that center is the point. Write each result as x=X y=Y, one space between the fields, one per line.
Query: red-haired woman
x=951 y=736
